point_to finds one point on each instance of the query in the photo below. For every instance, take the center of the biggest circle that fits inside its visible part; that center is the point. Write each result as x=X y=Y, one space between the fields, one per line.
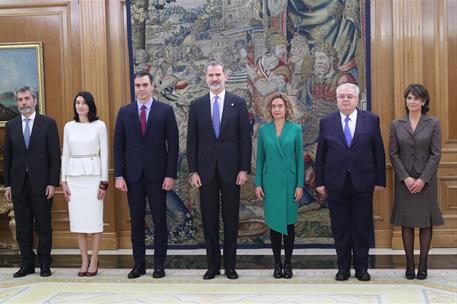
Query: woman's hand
x=259 y=193
x=298 y=194
x=66 y=191
x=101 y=194
x=409 y=182
x=417 y=186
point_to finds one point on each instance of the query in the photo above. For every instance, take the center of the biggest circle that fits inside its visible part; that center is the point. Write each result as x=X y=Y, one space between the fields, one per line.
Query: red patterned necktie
x=143 y=119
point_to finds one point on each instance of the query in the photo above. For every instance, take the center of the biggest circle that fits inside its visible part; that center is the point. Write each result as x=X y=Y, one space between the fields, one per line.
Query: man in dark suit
x=145 y=160
x=350 y=164
x=31 y=172
x=219 y=155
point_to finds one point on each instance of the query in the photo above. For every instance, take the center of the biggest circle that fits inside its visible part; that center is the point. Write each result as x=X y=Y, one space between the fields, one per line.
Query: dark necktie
x=216 y=117
x=347 y=131
x=27 y=132
x=143 y=119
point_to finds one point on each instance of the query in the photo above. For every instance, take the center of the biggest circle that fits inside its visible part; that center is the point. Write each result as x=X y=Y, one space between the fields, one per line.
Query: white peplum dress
x=84 y=165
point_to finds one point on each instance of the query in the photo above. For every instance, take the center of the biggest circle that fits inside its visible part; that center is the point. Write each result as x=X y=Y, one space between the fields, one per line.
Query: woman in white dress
x=85 y=177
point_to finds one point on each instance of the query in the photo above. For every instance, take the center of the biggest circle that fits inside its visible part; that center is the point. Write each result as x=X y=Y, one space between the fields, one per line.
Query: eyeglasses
x=349 y=96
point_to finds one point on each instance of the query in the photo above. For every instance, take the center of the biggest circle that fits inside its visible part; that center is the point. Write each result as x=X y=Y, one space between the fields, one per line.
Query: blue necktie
x=216 y=117
x=347 y=131
x=27 y=132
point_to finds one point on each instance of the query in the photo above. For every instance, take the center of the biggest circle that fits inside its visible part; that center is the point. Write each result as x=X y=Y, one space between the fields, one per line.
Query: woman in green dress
x=280 y=177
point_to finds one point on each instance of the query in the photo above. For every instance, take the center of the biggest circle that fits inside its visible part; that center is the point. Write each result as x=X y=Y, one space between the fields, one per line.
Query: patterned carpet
x=253 y=286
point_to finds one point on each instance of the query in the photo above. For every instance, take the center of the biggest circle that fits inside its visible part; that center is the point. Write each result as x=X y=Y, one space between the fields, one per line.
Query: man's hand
x=378 y=188
x=8 y=194
x=50 y=190
x=168 y=183
x=321 y=190
x=194 y=180
x=241 y=178
x=121 y=185
x=259 y=192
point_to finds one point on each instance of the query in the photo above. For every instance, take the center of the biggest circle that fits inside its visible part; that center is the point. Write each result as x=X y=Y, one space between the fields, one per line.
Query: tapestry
x=303 y=48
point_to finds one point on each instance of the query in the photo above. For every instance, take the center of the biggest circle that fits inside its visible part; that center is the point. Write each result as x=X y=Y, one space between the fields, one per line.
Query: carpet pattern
x=253 y=286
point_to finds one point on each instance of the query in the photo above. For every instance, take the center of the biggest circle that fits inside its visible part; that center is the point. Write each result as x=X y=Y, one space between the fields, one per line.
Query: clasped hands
x=414 y=185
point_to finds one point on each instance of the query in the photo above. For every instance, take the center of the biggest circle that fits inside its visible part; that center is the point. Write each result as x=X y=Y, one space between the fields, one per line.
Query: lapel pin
x=232 y=104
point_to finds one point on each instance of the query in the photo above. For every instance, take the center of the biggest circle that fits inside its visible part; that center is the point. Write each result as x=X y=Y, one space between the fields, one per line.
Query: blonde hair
x=287 y=103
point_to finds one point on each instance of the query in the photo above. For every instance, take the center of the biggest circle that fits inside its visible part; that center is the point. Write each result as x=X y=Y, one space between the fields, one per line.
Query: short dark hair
x=89 y=100
x=142 y=74
x=215 y=63
x=419 y=91
x=27 y=89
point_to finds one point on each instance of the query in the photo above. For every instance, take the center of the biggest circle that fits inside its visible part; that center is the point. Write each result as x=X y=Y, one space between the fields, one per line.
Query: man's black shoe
x=23 y=271
x=137 y=271
x=231 y=274
x=45 y=271
x=342 y=275
x=158 y=273
x=211 y=274
x=362 y=275
x=277 y=273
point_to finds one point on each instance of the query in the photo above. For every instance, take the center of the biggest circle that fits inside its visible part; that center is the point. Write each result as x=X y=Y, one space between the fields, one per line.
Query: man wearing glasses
x=350 y=165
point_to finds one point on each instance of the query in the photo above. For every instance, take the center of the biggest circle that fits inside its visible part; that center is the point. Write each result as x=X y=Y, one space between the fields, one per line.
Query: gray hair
x=25 y=89
x=215 y=63
x=350 y=85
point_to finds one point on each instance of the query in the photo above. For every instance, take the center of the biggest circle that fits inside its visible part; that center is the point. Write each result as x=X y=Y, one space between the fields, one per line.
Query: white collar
x=221 y=96
x=352 y=116
x=31 y=117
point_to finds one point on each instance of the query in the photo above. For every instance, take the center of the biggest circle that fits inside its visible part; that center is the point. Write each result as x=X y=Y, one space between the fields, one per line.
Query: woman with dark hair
x=280 y=178
x=85 y=177
x=415 y=151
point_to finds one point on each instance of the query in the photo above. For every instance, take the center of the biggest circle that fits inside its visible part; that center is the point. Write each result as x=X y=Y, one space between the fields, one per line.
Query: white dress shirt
x=31 y=120
x=148 y=107
x=351 y=122
x=220 y=101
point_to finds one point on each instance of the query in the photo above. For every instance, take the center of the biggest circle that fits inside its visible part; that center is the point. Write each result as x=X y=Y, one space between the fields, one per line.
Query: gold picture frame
x=21 y=64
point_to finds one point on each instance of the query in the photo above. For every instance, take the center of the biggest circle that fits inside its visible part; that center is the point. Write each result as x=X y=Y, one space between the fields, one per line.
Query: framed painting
x=21 y=64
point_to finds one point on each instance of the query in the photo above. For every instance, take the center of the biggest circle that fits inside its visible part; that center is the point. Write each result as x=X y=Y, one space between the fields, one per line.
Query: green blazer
x=279 y=170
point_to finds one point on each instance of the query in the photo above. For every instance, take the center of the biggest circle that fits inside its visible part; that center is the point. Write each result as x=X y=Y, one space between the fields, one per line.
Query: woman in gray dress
x=415 y=151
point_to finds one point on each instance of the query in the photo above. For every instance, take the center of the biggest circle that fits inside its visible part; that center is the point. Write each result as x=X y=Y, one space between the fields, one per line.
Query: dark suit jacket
x=156 y=153
x=420 y=150
x=365 y=158
x=231 y=151
x=42 y=158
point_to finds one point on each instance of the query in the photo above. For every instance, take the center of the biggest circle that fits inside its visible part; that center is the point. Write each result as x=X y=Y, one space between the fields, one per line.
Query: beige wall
x=85 y=48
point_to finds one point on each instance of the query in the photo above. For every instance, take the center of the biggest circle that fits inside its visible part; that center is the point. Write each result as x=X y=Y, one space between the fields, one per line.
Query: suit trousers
x=27 y=208
x=351 y=214
x=228 y=194
x=137 y=195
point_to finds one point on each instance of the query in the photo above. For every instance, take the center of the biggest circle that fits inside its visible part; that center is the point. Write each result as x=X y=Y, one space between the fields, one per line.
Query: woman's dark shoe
x=92 y=273
x=82 y=273
x=277 y=274
x=421 y=274
x=410 y=274
x=287 y=271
